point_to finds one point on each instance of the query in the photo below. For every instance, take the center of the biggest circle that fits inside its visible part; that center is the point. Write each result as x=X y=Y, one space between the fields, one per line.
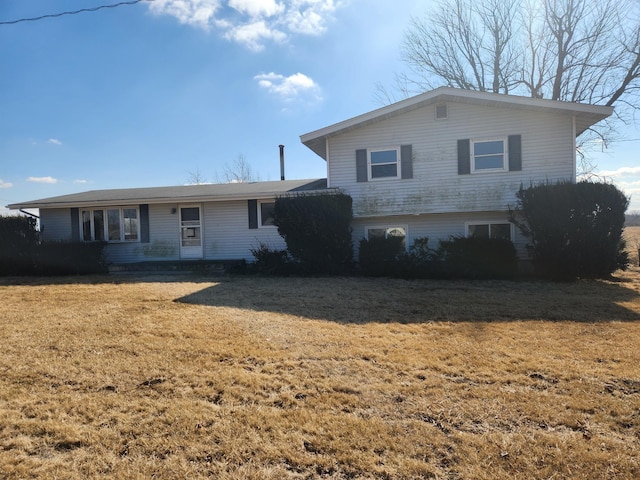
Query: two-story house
x=446 y=162
x=450 y=161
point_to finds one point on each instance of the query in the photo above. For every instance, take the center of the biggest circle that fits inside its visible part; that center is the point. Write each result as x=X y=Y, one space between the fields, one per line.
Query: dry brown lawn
x=632 y=236
x=266 y=378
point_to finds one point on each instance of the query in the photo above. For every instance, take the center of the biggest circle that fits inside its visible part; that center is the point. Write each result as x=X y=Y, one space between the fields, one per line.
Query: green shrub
x=381 y=257
x=270 y=261
x=317 y=231
x=478 y=258
x=575 y=230
x=70 y=258
x=18 y=241
x=421 y=261
x=21 y=252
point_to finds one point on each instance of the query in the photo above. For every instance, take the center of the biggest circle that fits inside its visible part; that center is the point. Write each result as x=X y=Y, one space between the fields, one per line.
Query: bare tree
x=572 y=50
x=196 y=178
x=239 y=171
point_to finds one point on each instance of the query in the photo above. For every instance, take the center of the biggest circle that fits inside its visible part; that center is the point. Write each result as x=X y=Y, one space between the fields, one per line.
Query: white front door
x=190 y=231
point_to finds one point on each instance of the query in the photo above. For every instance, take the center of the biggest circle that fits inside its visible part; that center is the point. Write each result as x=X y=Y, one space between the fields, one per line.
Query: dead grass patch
x=244 y=377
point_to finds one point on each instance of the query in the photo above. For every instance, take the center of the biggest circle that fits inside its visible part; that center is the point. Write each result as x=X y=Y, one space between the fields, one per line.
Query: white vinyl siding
x=55 y=224
x=436 y=187
x=228 y=236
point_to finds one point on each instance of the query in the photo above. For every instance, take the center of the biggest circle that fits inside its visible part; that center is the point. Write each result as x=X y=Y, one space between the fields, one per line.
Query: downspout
x=326 y=146
x=41 y=228
x=575 y=149
x=29 y=214
x=281 y=162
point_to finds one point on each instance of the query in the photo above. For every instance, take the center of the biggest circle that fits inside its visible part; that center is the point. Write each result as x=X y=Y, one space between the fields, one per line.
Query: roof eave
x=162 y=200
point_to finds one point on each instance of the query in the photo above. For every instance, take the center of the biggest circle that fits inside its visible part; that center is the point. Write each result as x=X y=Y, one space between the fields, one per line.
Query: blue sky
x=146 y=94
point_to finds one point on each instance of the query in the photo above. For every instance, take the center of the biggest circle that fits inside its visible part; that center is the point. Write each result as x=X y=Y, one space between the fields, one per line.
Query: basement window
x=386 y=232
x=490 y=230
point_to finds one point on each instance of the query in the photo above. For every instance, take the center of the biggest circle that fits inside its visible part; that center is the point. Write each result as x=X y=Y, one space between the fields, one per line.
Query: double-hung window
x=110 y=224
x=490 y=230
x=384 y=163
x=489 y=155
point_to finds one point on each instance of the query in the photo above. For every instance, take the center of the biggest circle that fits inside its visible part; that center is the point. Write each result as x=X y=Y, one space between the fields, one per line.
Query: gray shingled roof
x=183 y=194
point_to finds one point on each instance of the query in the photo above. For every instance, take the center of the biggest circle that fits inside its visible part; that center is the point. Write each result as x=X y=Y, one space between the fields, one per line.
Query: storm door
x=190 y=232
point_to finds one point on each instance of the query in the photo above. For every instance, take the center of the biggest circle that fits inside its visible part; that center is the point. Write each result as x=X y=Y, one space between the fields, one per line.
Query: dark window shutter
x=144 y=223
x=361 y=165
x=515 y=153
x=406 y=161
x=253 y=213
x=75 y=225
x=464 y=157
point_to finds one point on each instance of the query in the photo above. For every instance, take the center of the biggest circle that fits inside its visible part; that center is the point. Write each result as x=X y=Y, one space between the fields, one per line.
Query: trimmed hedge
x=458 y=257
x=479 y=258
x=575 y=229
x=70 y=258
x=18 y=241
x=21 y=252
x=317 y=231
x=381 y=257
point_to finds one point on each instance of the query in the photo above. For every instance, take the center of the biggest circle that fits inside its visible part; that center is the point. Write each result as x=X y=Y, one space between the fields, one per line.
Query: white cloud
x=4 y=184
x=256 y=8
x=252 y=23
x=198 y=13
x=310 y=17
x=252 y=35
x=622 y=171
x=42 y=180
x=54 y=141
x=80 y=181
x=294 y=86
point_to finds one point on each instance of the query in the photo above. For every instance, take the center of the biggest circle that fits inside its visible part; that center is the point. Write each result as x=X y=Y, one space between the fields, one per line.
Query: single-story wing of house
x=190 y=222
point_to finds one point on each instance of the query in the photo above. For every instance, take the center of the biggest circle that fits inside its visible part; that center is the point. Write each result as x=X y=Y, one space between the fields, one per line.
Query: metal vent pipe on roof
x=281 y=162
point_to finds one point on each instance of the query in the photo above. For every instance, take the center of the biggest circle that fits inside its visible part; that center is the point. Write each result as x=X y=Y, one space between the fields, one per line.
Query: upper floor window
x=488 y=155
x=384 y=163
x=265 y=213
x=490 y=230
x=110 y=224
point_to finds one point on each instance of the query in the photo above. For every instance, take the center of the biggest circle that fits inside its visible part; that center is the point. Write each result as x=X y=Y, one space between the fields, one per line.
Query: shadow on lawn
x=362 y=300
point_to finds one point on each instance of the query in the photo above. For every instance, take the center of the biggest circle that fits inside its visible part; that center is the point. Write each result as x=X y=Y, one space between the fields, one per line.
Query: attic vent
x=441 y=111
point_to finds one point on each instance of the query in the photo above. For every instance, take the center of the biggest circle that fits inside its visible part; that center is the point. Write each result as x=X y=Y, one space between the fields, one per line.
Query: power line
x=82 y=10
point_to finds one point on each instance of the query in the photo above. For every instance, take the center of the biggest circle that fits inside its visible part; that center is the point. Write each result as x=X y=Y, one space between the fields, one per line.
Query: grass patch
x=269 y=378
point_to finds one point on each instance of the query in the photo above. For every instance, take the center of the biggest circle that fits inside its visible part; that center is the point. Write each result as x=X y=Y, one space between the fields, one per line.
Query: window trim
x=259 y=208
x=505 y=155
x=105 y=215
x=512 y=229
x=398 y=163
